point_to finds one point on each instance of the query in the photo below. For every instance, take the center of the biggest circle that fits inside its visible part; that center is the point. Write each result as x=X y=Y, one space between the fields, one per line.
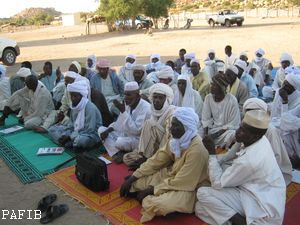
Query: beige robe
x=175 y=180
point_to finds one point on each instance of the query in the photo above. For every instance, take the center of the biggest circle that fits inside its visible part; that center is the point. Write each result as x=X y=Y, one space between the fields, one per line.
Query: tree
x=296 y=3
x=156 y=8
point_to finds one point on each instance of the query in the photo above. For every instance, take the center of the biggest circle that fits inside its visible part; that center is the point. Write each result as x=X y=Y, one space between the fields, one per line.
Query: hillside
x=33 y=12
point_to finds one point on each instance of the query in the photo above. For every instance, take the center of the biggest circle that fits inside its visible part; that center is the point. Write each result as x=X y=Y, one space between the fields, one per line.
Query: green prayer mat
x=10 y=121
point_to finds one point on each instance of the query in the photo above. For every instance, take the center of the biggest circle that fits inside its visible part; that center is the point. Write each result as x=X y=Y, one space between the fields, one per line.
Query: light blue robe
x=250 y=83
x=49 y=81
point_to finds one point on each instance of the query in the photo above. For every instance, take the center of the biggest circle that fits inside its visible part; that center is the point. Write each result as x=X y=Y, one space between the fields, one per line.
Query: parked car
x=9 y=50
x=225 y=18
x=140 y=22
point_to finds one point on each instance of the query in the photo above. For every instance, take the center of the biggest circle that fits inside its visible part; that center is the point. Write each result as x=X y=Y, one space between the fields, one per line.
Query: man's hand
x=105 y=134
x=143 y=194
x=59 y=117
x=209 y=145
x=120 y=106
x=64 y=139
x=284 y=96
x=136 y=164
x=125 y=188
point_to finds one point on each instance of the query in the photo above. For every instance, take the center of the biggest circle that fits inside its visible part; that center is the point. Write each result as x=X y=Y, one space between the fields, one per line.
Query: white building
x=71 y=19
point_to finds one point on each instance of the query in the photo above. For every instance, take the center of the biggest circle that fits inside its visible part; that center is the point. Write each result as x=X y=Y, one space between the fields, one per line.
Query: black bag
x=92 y=172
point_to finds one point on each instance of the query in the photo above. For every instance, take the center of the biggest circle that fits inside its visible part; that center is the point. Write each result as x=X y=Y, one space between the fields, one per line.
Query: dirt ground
x=62 y=45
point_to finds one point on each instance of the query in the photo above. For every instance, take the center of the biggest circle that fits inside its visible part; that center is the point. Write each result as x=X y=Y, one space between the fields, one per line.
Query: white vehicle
x=9 y=50
x=225 y=18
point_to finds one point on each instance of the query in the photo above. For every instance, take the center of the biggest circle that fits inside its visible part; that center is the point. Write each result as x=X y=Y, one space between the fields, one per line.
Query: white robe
x=247 y=187
x=4 y=91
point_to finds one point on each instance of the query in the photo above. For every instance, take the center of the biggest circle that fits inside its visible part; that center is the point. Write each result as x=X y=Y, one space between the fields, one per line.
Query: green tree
x=156 y=9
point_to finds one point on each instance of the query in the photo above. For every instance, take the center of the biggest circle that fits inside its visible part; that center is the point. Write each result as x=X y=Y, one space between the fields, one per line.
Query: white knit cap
x=131 y=86
x=257 y=118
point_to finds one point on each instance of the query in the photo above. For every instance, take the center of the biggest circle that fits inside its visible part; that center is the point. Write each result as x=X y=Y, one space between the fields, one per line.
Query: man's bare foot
x=40 y=129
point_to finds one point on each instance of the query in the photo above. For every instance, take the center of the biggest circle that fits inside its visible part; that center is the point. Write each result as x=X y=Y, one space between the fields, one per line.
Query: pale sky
x=9 y=8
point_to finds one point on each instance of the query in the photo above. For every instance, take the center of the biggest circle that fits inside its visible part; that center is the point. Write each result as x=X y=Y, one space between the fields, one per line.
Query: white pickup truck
x=225 y=18
x=9 y=50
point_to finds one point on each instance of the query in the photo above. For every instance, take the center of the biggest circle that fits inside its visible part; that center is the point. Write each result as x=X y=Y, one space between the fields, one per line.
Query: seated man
x=265 y=66
x=250 y=191
x=4 y=87
x=212 y=64
x=199 y=79
x=123 y=135
x=34 y=101
x=49 y=77
x=126 y=72
x=166 y=76
x=220 y=115
x=167 y=181
x=286 y=60
x=91 y=66
x=108 y=83
x=155 y=132
x=236 y=87
x=85 y=119
x=186 y=68
x=139 y=75
x=155 y=64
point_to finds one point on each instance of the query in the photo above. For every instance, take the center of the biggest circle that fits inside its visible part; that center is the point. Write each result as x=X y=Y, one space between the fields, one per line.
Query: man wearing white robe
x=230 y=58
x=264 y=64
x=126 y=71
x=166 y=76
x=4 y=87
x=251 y=190
x=286 y=60
x=155 y=64
x=34 y=101
x=220 y=115
x=155 y=132
x=186 y=68
x=213 y=65
x=124 y=134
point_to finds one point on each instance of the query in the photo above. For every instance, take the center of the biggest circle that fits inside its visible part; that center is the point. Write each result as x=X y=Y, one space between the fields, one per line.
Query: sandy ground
x=62 y=45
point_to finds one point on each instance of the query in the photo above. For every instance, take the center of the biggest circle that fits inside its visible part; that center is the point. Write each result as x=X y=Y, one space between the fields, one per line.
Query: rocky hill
x=32 y=12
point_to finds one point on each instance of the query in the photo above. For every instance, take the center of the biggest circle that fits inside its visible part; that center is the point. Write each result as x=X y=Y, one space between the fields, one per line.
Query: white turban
x=155 y=56
x=94 y=60
x=189 y=56
x=294 y=80
x=166 y=72
x=139 y=67
x=79 y=87
x=286 y=57
x=233 y=69
x=260 y=51
x=244 y=54
x=72 y=74
x=240 y=63
x=23 y=72
x=163 y=89
x=267 y=92
x=75 y=63
x=183 y=77
x=195 y=61
x=130 y=56
x=2 y=71
x=211 y=51
x=292 y=70
x=190 y=121
x=131 y=86
x=255 y=104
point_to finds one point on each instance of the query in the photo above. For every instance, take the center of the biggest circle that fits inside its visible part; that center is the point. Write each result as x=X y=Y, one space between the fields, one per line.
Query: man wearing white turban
x=123 y=135
x=155 y=64
x=166 y=76
x=286 y=60
x=80 y=133
x=186 y=96
x=140 y=76
x=4 y=87
x=167 y=181
x=126 y=71
x=91 y=66
x=186 y=68
x=34 y=101
x=155 y=132
x=249 y=191
x=264 y=64
x=213 y=65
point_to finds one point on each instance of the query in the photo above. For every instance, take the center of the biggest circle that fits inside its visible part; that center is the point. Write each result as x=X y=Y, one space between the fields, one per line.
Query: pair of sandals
x=51 y=211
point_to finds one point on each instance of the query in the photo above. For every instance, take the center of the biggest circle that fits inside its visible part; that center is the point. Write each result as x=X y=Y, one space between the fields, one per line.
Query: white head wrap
x=286 y=57
x=165 y=72
x=244 y=54
x=260 y=51
x=268 y=92
x=2 y=71
x=164 y=89
x=189 y=56
x=233 y=69
x=240 y=63
x=72 y=74
x=188 y=99
x=23 y=72
x=255 y=104
x=130 y=56
x=77 y=64
x=94 y=60
x=155 y=56
x=190 y=121
x=195 y=61
x=79 y=87
x=292 y=70
x=211 y=51
x=129 y=65
x=131 y=86
x=294 y=80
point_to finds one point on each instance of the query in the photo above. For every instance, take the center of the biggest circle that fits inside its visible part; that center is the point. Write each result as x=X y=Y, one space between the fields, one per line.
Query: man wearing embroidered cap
x=236 y=87
x=80 y=133
x=167 y=181
x=123 y=135
x=126 y=72
x=34 y=101
x=252 y=189
x=200 y=80
x=155 y=132
x=286 y=60
x=108 y=83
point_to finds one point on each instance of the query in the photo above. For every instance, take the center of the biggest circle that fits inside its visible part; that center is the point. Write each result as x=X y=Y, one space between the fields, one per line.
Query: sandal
x=46 y=201
x=54 y=212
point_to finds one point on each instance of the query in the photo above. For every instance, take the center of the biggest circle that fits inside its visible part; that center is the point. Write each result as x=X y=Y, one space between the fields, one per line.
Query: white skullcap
x=77 y=64
x=139 y=67
x=195 y=61
x=2 y=71
x=155 y=56
x=71 y=74
x=257 y=118
x=267 y=92
x=166 y=72
x=78 y=87
x=211 y=51
x=131 y=86
x=233 y=69
x=187 y=117
x=255 y=104
x=260 y=51
x=130 y=56
x=294 y=80
x=163 y=89
x=189 y=56
x=23 y=72
x=244 y=54
x=286 y=57
x=240 y=63
x=183 y=77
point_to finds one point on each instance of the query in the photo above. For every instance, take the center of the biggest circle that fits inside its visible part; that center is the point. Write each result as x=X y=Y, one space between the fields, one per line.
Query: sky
x=9 y=8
